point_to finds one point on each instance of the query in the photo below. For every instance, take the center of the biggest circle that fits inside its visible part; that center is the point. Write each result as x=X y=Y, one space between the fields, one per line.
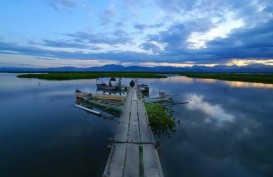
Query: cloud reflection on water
x=238 y=84
x=215 y=113
x=233 y=84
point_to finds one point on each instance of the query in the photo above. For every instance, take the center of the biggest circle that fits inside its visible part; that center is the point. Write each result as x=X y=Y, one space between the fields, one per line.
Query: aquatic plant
x=161 y=118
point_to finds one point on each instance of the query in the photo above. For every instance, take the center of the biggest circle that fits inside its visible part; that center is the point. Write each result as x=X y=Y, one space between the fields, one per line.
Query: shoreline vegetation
x=90 y=75
x=266 y=78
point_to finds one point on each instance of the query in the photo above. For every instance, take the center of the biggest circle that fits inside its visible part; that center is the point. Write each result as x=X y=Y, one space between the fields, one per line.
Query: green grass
x=90 y=75
x=244 y=77
x=161 y=118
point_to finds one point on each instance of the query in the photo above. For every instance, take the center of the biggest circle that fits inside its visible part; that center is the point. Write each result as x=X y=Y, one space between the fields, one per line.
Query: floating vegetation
x=161 y=118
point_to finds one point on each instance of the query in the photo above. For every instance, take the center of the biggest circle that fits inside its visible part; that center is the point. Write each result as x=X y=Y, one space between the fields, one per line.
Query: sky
x=87 y=33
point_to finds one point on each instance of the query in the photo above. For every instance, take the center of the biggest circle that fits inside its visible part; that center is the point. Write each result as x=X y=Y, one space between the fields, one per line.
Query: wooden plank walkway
x=133 y=152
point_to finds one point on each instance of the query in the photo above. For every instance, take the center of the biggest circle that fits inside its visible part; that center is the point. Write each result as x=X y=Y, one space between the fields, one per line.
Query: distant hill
x=119 y=68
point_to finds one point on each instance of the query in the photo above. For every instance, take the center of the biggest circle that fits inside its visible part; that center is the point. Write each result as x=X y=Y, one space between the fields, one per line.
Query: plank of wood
x=128 y=101
x=145 y=133
x=116 y=163
x=125 y=114
x=132 y=161
x=130 y=93
x=126 y=109
x=122 y=132
x=134 y=97
x=133 y=133
x=134 y=115
x=152 y=166
x=142 y=113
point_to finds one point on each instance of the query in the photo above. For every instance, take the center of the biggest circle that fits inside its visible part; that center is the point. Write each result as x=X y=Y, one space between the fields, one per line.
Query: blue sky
x=84 y=33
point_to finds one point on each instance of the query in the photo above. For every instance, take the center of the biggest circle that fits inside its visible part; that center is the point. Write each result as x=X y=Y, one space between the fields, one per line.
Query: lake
x=226 y=129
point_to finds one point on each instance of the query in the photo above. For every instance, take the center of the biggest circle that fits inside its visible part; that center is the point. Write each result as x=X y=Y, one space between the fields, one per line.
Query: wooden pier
x=133 y=152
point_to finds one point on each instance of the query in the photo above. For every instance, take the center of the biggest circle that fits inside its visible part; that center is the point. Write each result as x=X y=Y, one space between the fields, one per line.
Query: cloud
x=24 y=50
x=116 y=37
x=245 y=43
x=227 y=32
x=133 y=7
x=64 y=44
x=150 y=46
x=175 y=37
x=120 y=23
x=209 y=7
x=133 y=3
x=249 y=43
x=242 y=43
x=15 y=49
x=57 y=44
x=188 y=31
x=143 y=26
x=107 y=15
x=251 y=12
x=215 y=113
x=63 y=4
x=176 y=5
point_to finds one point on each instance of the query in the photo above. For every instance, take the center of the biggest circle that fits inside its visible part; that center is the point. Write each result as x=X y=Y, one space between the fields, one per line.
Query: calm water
x=227 y=129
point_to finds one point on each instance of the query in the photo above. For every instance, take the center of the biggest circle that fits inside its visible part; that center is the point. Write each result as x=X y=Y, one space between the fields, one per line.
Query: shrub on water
x=161 y=118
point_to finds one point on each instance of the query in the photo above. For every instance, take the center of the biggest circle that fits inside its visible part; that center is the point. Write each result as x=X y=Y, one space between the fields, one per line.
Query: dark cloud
x=248 y=42
x=117 y=37
x=176 y=35
x=120 y=24
x=176 y=5
x=143 y=26
x=150 y=46
x=241 y=43
x=107 y=15
x=250 y=11
x=64 y=44
x=7 y=48
x=244 y=43
x=179 y=6
x=62 y=4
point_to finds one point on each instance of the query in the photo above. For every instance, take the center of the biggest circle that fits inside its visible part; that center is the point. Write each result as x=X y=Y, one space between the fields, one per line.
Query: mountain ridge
x=119 y=68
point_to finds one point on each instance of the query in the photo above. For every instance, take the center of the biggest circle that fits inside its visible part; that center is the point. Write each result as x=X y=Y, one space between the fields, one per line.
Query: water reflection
x=43 y=134
x=215 y=113
x=238 y=84
x=225 y=132
x=181 y=79
x=206 y=80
